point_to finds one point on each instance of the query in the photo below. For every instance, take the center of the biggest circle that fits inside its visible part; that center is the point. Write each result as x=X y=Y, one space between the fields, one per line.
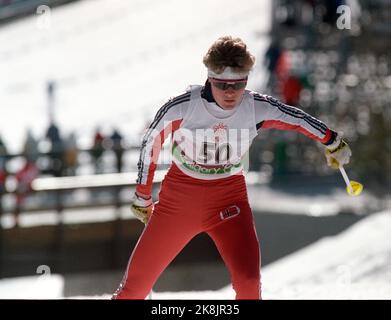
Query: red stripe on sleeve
x=327 y=136
x=276 y=124
x=156 y=148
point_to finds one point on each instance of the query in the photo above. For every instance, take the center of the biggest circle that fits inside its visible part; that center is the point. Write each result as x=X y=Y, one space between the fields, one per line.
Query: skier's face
x=228 y=94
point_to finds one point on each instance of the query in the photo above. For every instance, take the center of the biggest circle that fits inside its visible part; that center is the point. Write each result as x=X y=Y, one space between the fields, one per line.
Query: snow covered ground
x=355 y=264
x=263 y=198
x=114 y=62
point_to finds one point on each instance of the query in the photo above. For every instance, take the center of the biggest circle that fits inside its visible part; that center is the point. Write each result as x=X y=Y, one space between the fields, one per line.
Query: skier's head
x=229 y=63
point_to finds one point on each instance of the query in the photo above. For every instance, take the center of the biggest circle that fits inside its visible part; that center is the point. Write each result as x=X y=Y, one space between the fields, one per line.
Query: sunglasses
x=226 y=84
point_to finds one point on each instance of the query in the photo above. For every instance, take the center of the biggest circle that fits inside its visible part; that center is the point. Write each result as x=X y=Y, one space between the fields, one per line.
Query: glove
x=141 y=208
x=338 y=153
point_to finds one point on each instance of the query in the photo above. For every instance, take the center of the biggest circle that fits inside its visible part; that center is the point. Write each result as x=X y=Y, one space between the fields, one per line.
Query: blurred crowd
x=57 y=155
x=342 y=77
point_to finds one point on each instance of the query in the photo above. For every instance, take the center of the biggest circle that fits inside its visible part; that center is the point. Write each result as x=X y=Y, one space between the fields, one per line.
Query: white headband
x=228 y=74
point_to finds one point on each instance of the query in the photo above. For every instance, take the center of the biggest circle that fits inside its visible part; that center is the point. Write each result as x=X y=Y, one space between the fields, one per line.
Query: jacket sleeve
x=271 y=113
x=166 y=121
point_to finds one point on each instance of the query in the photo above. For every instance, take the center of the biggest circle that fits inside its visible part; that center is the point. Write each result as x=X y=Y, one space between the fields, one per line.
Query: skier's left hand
x=338 y=153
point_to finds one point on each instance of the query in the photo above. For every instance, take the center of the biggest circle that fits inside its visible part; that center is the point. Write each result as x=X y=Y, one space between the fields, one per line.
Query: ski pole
x=353 y=188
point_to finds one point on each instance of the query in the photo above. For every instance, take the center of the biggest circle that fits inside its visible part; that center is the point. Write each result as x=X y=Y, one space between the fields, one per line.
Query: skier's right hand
x=141 y=207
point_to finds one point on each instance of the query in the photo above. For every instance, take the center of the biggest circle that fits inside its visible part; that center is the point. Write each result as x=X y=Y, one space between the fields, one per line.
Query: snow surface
x=355 y=264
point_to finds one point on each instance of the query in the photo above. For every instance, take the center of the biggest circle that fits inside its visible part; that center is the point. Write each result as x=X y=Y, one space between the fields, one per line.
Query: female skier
x=212 y=127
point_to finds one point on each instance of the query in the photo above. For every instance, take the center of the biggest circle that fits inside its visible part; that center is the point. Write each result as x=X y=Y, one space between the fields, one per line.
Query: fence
x=55 y=191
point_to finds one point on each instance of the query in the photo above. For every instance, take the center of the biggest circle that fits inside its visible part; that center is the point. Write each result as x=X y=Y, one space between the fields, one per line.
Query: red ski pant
x=187 y=207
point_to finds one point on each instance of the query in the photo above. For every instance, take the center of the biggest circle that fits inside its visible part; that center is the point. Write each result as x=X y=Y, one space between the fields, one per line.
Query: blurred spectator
x=50 y=91
x=70 y=155
x=56 y=149
x=287 y=12
x=308 y=12
x=291 y=88
x=118 y=149
x=272 y=56
x=3 y=153
x=24 y=178
x=280 y=163
x=283 y=65
x=3 y=177
x=97 y=150
x=3 y=170
x=30 y=147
